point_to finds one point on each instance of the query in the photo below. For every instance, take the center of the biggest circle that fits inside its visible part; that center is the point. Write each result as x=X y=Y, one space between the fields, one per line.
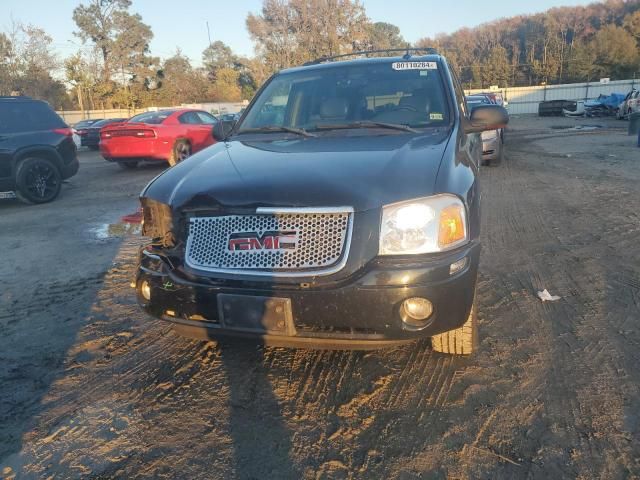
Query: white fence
x=526 y=99
x=74 y=116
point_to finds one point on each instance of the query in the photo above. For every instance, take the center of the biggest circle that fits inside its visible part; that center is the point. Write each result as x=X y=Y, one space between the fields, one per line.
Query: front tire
x=461 y=341
x=38 y=180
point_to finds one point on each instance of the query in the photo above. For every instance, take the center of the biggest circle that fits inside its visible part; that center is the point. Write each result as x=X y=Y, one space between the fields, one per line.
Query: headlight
x=425 y=225
x=489 y=135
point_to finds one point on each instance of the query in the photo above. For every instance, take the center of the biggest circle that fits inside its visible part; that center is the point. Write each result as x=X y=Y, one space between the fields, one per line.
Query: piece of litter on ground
x=545 y=296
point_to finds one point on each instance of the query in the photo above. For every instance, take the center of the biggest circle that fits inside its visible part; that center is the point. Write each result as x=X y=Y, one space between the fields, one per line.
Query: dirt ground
x=90 y=387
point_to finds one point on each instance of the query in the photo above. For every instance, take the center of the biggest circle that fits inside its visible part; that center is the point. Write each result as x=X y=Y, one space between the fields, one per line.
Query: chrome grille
x=321 y=246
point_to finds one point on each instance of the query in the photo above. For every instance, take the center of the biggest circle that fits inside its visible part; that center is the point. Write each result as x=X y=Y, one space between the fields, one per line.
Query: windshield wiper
x=367 y=124
x=278 y=128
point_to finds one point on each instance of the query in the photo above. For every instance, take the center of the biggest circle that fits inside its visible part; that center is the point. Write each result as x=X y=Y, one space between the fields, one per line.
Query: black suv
x=341 y=211
x=37 y=151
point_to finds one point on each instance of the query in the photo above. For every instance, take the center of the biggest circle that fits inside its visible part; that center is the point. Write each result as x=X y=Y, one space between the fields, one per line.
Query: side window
x=462 y=102
x=189 y=118
x=28 y=117
x=273 y=109
x=206 y=118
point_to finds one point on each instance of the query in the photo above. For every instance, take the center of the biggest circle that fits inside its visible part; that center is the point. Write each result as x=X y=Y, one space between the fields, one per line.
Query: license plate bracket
x=255 y=314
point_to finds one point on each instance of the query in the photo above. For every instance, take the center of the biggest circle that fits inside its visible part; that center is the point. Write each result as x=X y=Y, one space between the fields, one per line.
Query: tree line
x=114 y=67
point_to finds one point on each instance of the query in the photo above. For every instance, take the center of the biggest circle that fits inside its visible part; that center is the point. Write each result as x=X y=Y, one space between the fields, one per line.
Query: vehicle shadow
x=38 y=327
x=262 y=441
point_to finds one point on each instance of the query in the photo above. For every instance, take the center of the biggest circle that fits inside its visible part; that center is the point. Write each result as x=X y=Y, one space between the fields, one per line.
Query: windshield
x=355 y=94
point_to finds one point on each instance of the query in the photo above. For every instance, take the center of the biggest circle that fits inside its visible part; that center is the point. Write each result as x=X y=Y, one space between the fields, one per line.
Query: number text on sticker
x=414 y=66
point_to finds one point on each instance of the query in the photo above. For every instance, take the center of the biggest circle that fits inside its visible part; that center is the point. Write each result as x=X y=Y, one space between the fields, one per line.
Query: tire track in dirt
x=551 y=394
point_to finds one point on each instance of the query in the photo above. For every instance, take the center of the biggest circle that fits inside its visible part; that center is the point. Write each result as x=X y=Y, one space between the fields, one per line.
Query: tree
x=96 y=23
x=6 y=53
x=632 y=24
x=181 y=83
x=581 y=62
x=123 y=42
x=290 y=32
x=218 y=55
x=616 y=52
x=121 y=37
x=382 y=35
x=497 y=69
x=28 y=61
x=76 y=74
x=226 y=88
x=559 y=45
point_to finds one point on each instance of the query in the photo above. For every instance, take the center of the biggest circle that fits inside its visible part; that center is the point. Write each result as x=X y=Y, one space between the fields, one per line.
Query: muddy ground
x=92 y=388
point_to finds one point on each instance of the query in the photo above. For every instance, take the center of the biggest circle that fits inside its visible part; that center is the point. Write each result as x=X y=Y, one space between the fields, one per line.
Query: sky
x=183 y=24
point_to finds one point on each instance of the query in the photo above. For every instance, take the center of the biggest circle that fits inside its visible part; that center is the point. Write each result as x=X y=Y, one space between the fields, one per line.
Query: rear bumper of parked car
x=491 y=148
x=90 y=140
x=361 y=312
x=131 y=149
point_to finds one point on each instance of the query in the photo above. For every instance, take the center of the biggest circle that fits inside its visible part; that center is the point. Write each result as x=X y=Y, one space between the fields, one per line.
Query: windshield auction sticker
x=414 y=66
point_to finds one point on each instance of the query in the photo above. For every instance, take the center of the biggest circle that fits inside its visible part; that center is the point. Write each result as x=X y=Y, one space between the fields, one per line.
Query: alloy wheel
x=41 y=180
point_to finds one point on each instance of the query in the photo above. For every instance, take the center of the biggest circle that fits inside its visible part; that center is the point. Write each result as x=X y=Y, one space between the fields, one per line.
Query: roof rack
x=406 y=56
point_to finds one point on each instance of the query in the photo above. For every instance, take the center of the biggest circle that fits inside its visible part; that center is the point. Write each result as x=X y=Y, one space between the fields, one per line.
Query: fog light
x=415 y=312
x=457 y=266
x=145 y=290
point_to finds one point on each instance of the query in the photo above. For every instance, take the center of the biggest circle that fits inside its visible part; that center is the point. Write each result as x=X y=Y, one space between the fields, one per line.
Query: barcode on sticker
x=414 y=65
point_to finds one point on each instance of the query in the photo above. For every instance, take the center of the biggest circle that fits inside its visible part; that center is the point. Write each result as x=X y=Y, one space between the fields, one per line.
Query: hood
x=363 y=172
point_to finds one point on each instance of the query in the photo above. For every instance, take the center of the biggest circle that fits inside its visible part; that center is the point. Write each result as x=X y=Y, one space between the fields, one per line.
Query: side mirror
x=487 y=117
x=221 y=129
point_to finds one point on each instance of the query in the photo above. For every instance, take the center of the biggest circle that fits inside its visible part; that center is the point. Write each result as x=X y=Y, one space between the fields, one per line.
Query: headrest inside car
x=334 y=108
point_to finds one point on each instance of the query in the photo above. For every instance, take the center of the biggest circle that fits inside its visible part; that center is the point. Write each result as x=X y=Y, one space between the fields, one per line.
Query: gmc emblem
x=268 y=241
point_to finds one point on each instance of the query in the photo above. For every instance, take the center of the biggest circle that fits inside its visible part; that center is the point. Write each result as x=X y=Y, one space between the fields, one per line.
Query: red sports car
x=165 y=135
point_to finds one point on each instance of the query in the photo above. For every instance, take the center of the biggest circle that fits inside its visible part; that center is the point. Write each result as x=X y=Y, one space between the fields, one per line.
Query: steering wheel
x=407 y=107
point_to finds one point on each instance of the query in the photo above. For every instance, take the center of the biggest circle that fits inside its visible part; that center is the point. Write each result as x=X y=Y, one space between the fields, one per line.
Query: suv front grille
x=283 y=242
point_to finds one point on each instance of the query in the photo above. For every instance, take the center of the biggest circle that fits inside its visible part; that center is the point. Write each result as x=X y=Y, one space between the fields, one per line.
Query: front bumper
x=360 y=312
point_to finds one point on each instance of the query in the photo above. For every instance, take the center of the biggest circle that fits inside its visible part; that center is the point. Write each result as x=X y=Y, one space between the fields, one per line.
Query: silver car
x=492 y=140
x=630 y=104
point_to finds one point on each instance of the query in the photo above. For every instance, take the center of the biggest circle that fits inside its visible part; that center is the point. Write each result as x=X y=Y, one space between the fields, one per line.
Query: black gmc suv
x=37 y=151
x=340 y=211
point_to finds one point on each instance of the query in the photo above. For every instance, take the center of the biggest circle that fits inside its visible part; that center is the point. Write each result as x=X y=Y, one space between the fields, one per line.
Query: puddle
x=129 y=225
x=115 y=230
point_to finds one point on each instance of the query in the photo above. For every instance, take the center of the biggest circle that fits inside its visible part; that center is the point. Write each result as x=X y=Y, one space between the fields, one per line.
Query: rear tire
x=461 y=341
x=38 y=180
x=181 y=151
x=130 y=165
